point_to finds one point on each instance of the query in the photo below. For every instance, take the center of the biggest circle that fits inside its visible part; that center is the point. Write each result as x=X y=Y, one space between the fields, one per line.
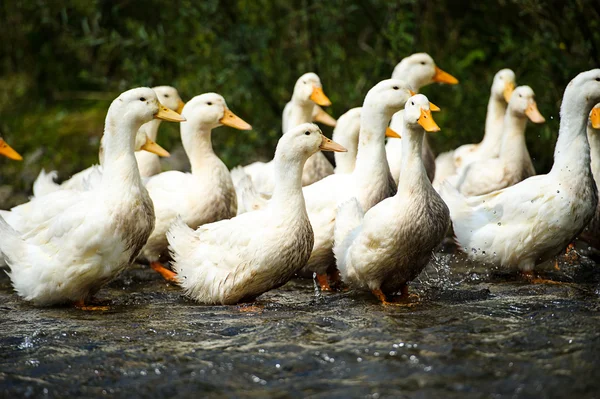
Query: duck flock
x=371 y=223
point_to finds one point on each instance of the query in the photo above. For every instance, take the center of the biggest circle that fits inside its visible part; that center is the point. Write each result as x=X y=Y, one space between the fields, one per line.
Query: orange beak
x=426 y=120
x=169 y=115
x=330 y=145
x=508 y=90
x=8 y=152
x=389 y=132
x=324 y=118
x=595 y=118
x=319 y=97
x=533 y=113
x=232 y=120
x=441 y=76
x=154 y=148
x=180 y=106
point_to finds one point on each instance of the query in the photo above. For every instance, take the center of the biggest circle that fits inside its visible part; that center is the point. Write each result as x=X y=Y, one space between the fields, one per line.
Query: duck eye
x=209 y=103
x=142 y=98
x=520 y=96
x=412 y=103
x=307 y=133
x=395 y=87
x=166 y=96
x=422 y=62
x=597 y=79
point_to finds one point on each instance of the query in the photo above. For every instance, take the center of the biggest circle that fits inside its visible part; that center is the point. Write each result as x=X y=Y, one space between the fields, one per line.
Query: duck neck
x=412 y=170
x=197 y=144
x=572 y=152
x=287 y=194
x=513 y=139
x=371 y=143
x=151 y=128
x=494 y=124
x=117 y=154
x=301 y=112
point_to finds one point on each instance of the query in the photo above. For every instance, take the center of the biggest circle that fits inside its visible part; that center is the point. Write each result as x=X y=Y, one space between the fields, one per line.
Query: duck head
x=309 y=88
x=503 y=84
x=304 y=140
x=210 y=110
x=8 y=152
x=417 y=111
x=139 y=106
x=420 y=70
x=169 y=97
x=522 y=104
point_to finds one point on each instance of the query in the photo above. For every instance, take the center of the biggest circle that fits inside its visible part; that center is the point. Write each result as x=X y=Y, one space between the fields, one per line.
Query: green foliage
x=63 y=61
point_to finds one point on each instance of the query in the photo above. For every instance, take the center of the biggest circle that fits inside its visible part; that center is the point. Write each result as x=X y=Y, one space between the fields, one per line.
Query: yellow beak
x=232 y=120
x=389 y=132
x=330 y=145
x=180 y=106
x=319 y=97
x=324 y=118
x=508 y=90
x=444 y=77
x=426 y=120
x=169 y=115
x=8 y=152
x=533 y=113
x=595 y=118
x=154 y=148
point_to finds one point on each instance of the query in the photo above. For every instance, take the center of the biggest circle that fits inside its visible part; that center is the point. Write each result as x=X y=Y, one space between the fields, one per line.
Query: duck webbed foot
x=80 y=304
x=404 y=299
x=167 y=274
x=323 y=282
x=533 y=278
x=251 y=308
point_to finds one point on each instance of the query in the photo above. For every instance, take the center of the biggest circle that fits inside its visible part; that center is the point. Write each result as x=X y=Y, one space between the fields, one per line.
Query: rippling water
x=473 y=333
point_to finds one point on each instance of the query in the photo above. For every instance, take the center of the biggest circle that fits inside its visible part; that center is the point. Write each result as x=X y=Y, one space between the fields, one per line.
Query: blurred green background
x=62 y=62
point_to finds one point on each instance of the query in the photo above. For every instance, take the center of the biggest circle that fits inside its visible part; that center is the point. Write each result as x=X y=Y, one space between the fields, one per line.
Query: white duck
x=591 y=233
x=513 y=163
x=527 y=223
x=370 y=182
x=149 y=163
x=308 y=91
x=75 y=251
x=346 y=133
x=418 y=70
x=206 y=194
x=237 y=260
x=392 y=243
x=453 y=162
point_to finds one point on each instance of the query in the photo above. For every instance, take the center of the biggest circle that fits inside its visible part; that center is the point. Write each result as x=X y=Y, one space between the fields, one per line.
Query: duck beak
x=595 y=118
x=426 y=120
x=167 y=114
x=180 y=106
x=441 y=76
x=330 y=145
x=533 y=113
x=389 y=132
x=232 y=120
x=8 y=152
x=508 y=90
x=324 y=118
x=319 y=97
x=154 y=148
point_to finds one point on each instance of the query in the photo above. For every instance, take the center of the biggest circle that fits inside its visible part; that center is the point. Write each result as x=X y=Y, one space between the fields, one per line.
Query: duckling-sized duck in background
x=237 y=260
x=308 y=91
x=206 y=194
x=392 y=243
x=418 y=70
x=534 y=220
x=513 y=163
x=454 y=162
x=591 y=234
x=149 y=163
x=74 y=252
x=346 y=133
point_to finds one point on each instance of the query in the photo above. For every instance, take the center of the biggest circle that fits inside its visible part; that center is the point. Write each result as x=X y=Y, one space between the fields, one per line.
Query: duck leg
x=80 y=304
x=398 y=300
x=323 y=282
x=167 y=274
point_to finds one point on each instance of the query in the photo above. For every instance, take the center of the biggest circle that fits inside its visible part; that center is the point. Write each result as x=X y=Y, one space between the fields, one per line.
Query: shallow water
x=471 y=333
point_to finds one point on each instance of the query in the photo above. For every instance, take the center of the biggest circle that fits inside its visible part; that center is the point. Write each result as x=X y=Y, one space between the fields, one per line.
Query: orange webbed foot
x=535 y=279
x=80 y=304
x=251 y=308
x=323 y=282
x=167 y=274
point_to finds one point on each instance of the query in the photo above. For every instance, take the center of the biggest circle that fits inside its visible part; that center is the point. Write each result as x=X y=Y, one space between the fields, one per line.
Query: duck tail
x=10 y=242
x=248 y=198
x=350 y=216
x=45 y=183
x=181 y=239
